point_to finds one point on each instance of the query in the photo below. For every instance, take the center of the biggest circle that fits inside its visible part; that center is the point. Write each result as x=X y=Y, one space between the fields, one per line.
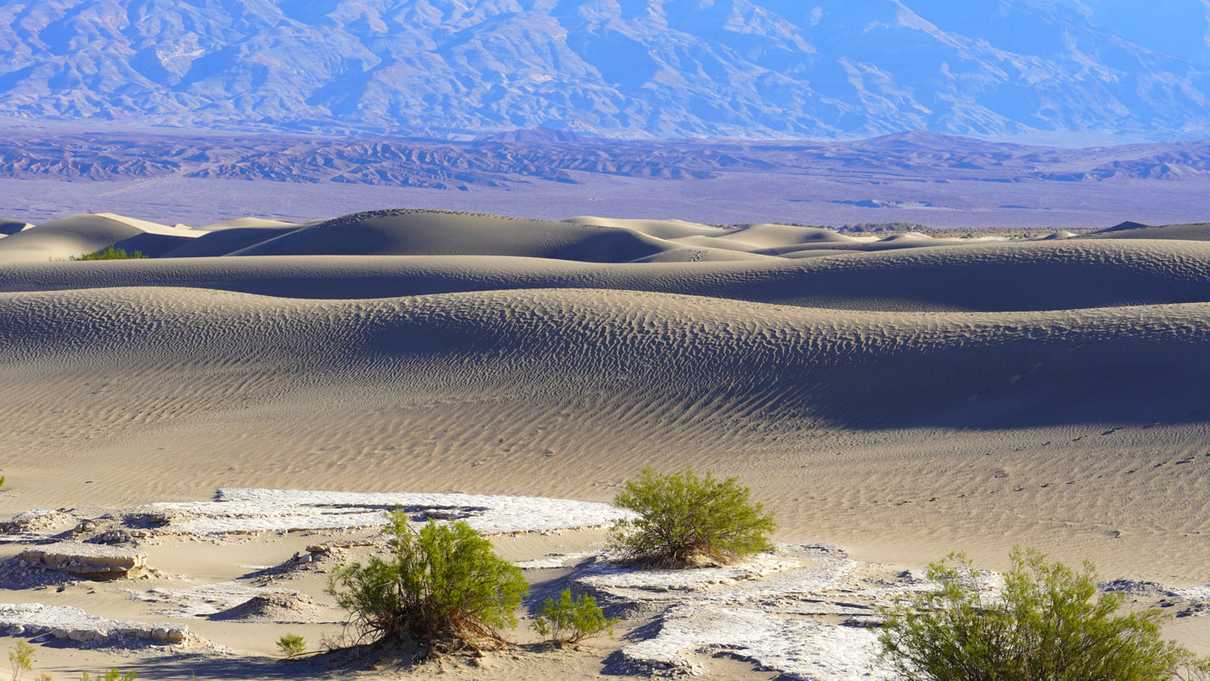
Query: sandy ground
x=900 y=402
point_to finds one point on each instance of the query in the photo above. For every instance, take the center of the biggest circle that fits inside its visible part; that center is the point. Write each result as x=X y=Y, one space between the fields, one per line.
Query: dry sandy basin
x=191 y=441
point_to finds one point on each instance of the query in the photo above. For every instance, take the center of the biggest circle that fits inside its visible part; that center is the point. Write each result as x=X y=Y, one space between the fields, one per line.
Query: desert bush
x=571 y=620
x=442 y=587
x=1049 y=624
x=21 y=659
x=111 y=253
x=291 y=646
x=683 y=518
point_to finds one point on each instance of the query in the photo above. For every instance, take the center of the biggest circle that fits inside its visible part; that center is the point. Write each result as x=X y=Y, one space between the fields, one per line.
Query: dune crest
x=660 y=229
x=1033 y=275
x=432 y=232
x=89 y=232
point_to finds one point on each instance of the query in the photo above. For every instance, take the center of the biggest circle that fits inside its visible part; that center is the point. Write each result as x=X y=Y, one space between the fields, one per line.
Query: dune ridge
x=1134 y=230
x=433 y=232
x=85 y=233
x=660 y=229
x=562 y=391
x=417 y=232
x=1036 y=275
x=603 y=331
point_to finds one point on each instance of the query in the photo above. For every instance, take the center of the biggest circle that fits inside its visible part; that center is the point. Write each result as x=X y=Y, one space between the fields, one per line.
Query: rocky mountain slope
x=665 y=68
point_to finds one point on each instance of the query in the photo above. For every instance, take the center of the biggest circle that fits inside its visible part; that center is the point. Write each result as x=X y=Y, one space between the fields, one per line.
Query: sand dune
x=249 y=223
x=696 y=254
x=557 y=391
x=86 y=233
x=793 y=241
x=9 y=226
x=770 y=239
x=225 y=241
x=766 y=236
x=711 y=242
x=660 y=229
x=893 y=242
x=902 y=397
x=1190 y=232
x=1041 y=275
x=414 y=232
x=427 y=232
x=808 y=357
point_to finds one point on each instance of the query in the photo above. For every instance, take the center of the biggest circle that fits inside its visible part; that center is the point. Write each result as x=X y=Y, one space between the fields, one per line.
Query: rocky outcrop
x=73 y=625
x=85 y=561
x=38 y=521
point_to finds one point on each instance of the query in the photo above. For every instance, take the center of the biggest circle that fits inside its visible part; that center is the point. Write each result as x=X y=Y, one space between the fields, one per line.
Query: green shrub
x=571 y=620
x=441 y=587
x=291 y=646
x=682 y=518
x=21 y=659
x=1050 y=625
x=111 y=253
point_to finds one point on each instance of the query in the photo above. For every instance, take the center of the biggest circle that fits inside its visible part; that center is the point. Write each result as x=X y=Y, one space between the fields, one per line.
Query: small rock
x=83 y=635
x=115 y=536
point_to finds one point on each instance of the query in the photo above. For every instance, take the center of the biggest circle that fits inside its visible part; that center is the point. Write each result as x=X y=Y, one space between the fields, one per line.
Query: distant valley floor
x=931 y=180
x=731 y=199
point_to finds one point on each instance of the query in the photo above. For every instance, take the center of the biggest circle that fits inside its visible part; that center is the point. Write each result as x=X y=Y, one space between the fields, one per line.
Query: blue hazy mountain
x=1046 y=69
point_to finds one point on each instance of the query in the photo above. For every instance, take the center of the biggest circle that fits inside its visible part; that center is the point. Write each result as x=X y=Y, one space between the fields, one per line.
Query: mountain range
x=1067 y=71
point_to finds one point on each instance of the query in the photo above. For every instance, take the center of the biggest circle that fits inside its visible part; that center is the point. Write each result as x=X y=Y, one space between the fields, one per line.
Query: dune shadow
x=336 y=664
x=206 y=667
x=994 y=391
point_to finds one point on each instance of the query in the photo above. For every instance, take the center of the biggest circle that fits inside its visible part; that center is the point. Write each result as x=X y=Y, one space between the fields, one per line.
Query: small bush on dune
x=571 y=620
x=21 y=659
x=291 y=646
x=683 y=518
x=1050 y=625
x=111 y=253
x=442 y=587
